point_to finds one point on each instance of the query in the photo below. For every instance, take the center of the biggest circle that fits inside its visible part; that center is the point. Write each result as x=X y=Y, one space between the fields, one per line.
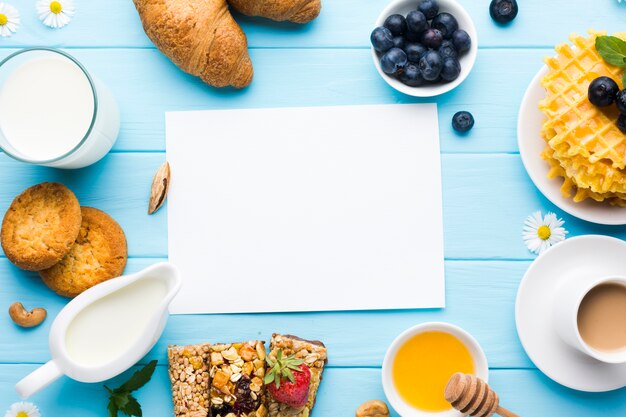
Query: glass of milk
x=53 y=112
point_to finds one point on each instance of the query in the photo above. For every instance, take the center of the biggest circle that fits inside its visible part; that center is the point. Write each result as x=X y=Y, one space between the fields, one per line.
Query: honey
x=423 y=366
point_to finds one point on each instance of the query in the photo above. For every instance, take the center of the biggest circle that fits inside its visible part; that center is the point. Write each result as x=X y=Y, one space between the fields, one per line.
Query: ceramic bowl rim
x=401 y=407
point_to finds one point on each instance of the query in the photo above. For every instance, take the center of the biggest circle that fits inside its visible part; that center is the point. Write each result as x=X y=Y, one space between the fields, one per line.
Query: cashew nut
x=25 y=318
x=373 y=408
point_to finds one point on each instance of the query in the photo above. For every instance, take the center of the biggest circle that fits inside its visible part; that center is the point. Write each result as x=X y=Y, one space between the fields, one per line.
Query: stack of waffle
x=584 y=145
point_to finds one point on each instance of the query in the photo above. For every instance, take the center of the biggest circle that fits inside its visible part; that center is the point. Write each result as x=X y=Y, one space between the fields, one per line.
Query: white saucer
x=576 y=257
x=531 y=145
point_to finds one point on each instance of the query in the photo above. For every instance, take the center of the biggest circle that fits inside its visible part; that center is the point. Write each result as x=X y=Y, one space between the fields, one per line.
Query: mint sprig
x=121 y=399
x=612 y=49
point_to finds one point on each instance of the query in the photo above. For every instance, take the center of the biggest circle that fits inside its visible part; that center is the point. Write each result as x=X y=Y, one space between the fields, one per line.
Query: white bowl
x=467 y=60
x=394 y=398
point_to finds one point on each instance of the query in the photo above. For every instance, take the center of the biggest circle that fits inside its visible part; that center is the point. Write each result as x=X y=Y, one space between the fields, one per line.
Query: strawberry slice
x=288 y=380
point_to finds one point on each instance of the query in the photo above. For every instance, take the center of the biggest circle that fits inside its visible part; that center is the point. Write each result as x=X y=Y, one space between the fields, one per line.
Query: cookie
x=40 y=226
x=99 y=254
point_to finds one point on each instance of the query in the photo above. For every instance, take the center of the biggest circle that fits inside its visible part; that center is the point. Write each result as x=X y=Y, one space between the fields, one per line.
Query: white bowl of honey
x=419 y=363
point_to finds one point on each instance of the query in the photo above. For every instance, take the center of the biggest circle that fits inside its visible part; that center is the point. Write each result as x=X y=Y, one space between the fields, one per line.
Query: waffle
x=585 y=146
x=569 y=188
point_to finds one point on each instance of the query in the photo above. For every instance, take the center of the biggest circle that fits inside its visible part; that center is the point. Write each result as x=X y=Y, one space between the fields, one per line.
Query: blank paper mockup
x=306 y=209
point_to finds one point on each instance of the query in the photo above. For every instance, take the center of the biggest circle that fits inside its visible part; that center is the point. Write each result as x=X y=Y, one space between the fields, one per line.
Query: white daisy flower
x=55 y=14
x=9 y=20
x=23 y=410
x=540 y=233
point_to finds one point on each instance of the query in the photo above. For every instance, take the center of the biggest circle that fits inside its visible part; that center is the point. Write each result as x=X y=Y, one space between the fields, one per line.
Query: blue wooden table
x=487 y=193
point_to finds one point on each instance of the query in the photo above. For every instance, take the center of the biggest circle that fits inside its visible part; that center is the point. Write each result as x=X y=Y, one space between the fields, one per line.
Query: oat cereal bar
x=189 y=374
x=237 y=372
x=313 y=353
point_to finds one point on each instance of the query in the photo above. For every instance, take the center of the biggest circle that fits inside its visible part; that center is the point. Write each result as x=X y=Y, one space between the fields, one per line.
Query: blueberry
x=411 y=36
x=393 y=61
x=621 y=123
x=398 y=42
x=451 y=69
x=412 y=76
x=447 y=50
x=602 y=91
x=430 y=8
x=503 y=11
x=445 y=23
x=432 y=38
x=462 y=121
x=416 y=22
x=461 y=40
x=620 y=101
x=430 y=64
x=414 y=51
x=382 y=39
x=396 y=23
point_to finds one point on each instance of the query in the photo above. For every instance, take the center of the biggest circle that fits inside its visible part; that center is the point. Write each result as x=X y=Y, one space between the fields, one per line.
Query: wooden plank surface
x=487 y=193
x=343 y=23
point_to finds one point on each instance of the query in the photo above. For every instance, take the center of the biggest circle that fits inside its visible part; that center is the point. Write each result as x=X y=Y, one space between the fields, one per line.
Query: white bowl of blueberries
x=424 y=48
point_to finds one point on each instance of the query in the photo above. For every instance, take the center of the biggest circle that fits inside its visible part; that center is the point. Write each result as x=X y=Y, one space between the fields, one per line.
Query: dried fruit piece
x=160 y=187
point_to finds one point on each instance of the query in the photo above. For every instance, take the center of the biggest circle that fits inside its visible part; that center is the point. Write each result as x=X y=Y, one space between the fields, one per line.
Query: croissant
x=298 y=11
x=201 y=37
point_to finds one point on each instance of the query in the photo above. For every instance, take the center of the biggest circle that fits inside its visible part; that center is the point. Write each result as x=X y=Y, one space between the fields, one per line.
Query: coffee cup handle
x=38 y=379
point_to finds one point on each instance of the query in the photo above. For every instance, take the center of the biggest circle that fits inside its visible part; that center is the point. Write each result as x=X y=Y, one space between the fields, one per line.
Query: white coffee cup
x=566 y=307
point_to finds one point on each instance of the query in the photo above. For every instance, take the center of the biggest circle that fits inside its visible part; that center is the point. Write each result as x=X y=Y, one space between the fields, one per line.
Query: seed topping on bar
x=237 y=372
x=189 y=374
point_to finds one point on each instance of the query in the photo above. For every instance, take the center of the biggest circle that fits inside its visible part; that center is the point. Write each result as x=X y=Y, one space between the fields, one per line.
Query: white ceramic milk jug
x=108 y=328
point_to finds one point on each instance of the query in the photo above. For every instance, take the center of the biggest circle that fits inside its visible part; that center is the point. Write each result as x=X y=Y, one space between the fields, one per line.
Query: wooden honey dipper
x=472 y=396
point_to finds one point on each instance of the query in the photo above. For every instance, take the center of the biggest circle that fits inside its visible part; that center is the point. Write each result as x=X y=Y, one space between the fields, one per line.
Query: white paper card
x=306 y=209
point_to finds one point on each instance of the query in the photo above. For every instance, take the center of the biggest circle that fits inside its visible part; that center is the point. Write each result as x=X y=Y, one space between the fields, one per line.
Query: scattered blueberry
x=462 y=121
x=602 y=91
x=451 y=69
x=447 y=50
x=430 y=64
x=445 y=23
x=396 y=23
x=432 y=38
x=414 y=51
x=393 y=61
x=461 y=40
x=412 y=76
x=503 y=11
x=416 y=22
x=430 y=8
x=382 y=39
x=398 y=42
x=621 y=123
x=620 y=101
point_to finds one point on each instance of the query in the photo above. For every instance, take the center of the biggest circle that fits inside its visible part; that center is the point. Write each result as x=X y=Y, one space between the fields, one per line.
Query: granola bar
x=189 y=374
x=313 y=353
x=237 y=372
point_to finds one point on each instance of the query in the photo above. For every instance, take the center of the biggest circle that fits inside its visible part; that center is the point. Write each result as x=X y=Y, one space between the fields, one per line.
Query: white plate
x=577 y=257
x=531 y=145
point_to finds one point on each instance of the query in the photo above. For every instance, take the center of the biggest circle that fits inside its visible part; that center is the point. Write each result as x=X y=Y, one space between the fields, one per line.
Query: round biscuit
x=40 y=226
x=99 y=254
